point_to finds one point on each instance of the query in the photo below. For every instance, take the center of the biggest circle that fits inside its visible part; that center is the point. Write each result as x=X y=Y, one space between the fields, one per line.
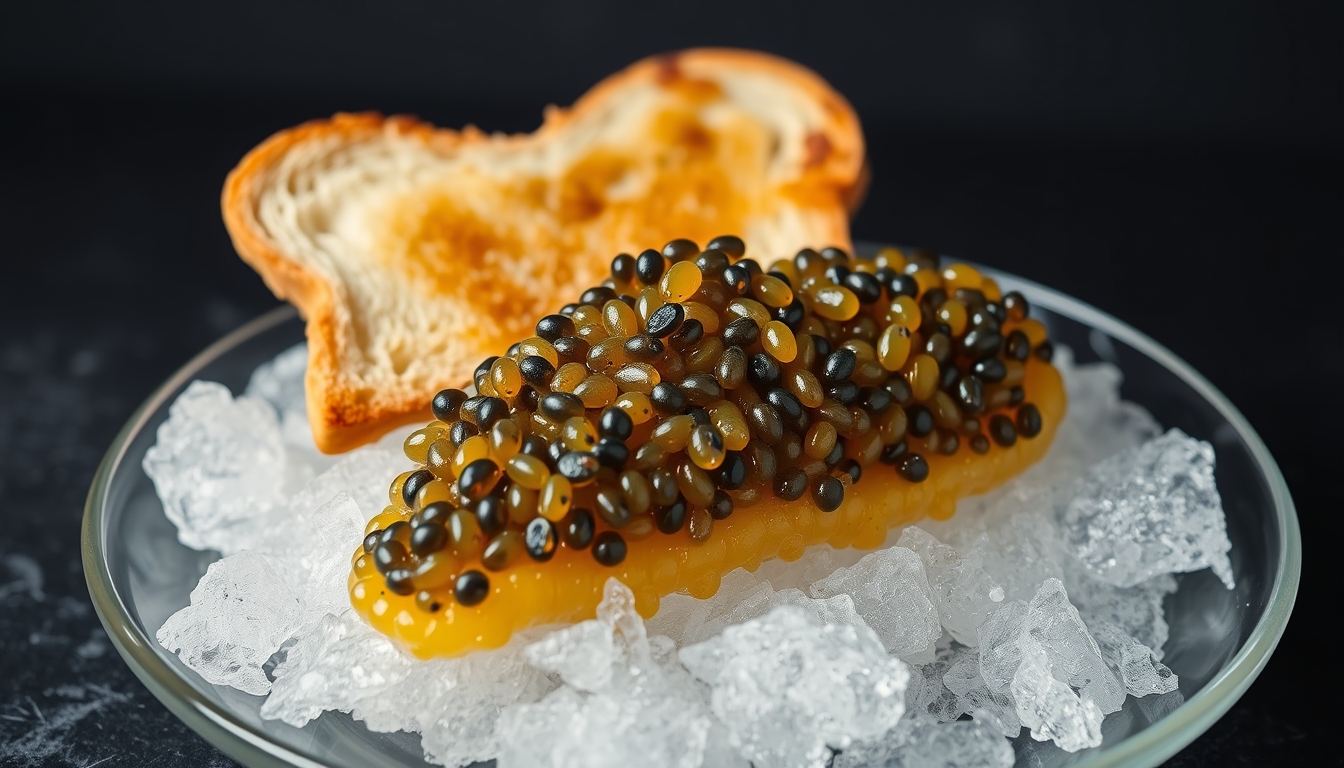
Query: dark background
x=1177 y=165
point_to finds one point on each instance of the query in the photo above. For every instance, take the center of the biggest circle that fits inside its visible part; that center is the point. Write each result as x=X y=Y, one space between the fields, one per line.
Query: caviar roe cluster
x=690 y=387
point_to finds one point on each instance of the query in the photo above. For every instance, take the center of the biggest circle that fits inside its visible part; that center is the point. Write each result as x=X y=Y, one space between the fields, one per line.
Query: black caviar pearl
x=536 y=369
x=699 y=415
x=790 y=484
x=971 y=297
x=731 y=245
x=555 y=450
x=806 y=259
x=981 y=318
x=569 y=309
x=875 y=400
x=721 y=507
x=535 y=445
x=472 y=407
x=540 y=539
x=919 y=420
x=831 y=253
x=485 y=366
x=948 y=376
x=492 y=515
x=1016 y=395
x=665 y=320
x=671 y=518
x=370 y=542
x=389 y=555
x=828 y=493
x=571 y=349
x=579 y=528
x=609 y=548
x=1045 y=350
x=478 y=479
x=970 y=426
x=597 y=296
x=627 y=300
x=979 y=343
x=611 y=452
x=561 y=406
x=702 y=389
x=491 y=411
x=939 y=347
x=753 y=266
x=979 y=444
x=732 y=473
x=552 y=327
x=925 y=258
x=643 y=347
x=399 y=580
x=1015 y=305
x=792 y=314
x=413 y=484
x=427 y=538
x=763 y=371
x=1028 y=420
x=738 y=279
x=991 y=370
x=837 y=453
x=995 y=310
x=934 y=298
x=899 y=389
x=913 y=467
x=615 y=422
x=780 y=276
x=971 y=394
x=649 y=266
x=447 y=404
x=680 y=250
x=948 y=442
x=903 y=285
x=865 y=286
x=1001 y=429
x=742 y=332
x=822 y=345
x=853 y=468
x=1019 y=347
x=846 y=392
x=623 y=268
x=892 y=453
x=837 y=273
x=786 y=403
x=668 y=399
x=460 y=431
x=711 y=262
x=528 y=397
x=685 y=337
x=884 y=275
x=579 y=467
x=839 y=365
x=471 y=588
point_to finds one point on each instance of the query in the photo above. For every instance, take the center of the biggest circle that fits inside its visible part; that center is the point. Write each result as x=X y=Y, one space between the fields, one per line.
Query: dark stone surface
x=116 y=269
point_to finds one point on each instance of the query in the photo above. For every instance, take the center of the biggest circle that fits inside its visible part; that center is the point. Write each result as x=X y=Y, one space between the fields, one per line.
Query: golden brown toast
x=414 y=252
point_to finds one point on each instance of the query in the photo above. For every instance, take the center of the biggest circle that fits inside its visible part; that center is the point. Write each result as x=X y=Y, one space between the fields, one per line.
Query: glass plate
x=139 y=574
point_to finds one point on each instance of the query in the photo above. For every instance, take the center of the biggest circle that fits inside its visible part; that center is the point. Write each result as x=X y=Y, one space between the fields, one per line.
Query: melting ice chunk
x=931 y=745
x=787 y=687
x=1150 y=510
x=1131 y=661
x=963 y=593
x=893 y=596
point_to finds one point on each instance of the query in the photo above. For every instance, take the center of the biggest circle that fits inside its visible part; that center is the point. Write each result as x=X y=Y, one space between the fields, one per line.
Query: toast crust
x=345 y=410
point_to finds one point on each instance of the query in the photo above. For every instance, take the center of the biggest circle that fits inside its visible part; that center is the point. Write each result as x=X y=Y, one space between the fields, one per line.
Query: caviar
x=696 y=413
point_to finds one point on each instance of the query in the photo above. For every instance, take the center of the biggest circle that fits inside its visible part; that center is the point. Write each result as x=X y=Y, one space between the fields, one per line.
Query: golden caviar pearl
x=805 y=386
x=568 y=377
x=473 y=448
x=673 y=434
x=922 y=375
x=528 y=471
x=1034 y=330
x=636 y=405
x=465 y=537
x=694 y=483
x=521 y=503
x=607 y=355
x=647 y=302
x=596 y=391
x=592 y=333
x=506 y=378
x=586 y=315
x=578 y=434
x=835 y=302
x=535 y=345
x=960 y=276
x=436 y=571
x=708 y=318
x=439 y=458
x=706 y=448
x=813 y=326
x=891 y=257
x=893 y=347
x=732 y=368
x=640 y=377
x=771 y=291
x=417 y=445
x=544 y=427
x=779 y=342
x=788 y=269
x=484 y=387
x=435 y=490
x=700 y=525
x=556 y=496
x=866 y=448
x=927 y=280
x=820 y=440
x=394 y=491
x=1014 y=373
x=953 y=313
x=732 y=425
x=650 y=456
x=704 y=357
x=635 y=489
x=905 y=311
x=506 y=439
x=382 y=520
x=990 y=288
x=869 y=373
x=502 y=551
x=863 y=351
x=747 y=308
x=891 y=425
x=619 y=318
x=681 y=281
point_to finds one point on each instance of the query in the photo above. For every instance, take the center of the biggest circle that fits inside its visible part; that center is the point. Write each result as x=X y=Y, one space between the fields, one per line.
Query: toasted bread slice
x=415 y=252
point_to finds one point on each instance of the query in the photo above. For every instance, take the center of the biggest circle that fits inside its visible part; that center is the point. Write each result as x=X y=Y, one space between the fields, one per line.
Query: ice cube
x=995 y=709
x=1074 y=658
x=219 y=466
x=963 y=593
x=280 y=383
x=1138 y=610
x=787 y=687
x=364 y=473
x=930 y=745
x=326 y=539
x=926 y=697
x=1131 y=661
x=241 y=612
x=893 y=596
x=1150 y=510
x=1049 y=707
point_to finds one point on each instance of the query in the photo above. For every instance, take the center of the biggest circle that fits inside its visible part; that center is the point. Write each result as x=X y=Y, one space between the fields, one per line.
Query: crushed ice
x=1036 y=607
